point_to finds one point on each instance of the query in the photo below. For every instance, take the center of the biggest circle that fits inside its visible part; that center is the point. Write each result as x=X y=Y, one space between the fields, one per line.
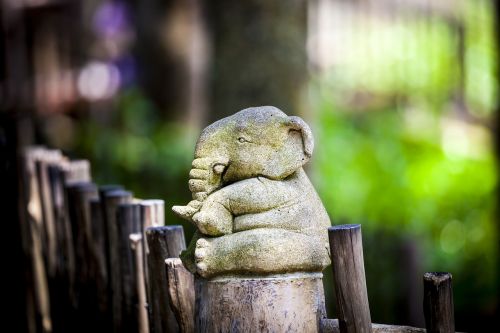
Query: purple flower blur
x=111 y=19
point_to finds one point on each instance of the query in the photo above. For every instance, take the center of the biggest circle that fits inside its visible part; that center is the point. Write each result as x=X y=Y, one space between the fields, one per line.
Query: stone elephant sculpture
x=255 y=209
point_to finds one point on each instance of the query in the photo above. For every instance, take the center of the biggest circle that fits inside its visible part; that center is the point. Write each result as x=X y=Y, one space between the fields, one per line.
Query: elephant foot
x=204 y=257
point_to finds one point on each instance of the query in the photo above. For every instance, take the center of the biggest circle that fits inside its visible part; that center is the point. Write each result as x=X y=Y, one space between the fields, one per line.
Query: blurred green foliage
x=397 y=154
x=136 y=148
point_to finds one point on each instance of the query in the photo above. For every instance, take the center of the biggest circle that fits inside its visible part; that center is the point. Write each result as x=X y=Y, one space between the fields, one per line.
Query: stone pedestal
x=278 y=303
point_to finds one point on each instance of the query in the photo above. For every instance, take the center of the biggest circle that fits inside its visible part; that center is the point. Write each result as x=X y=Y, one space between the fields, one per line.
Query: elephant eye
x=242 y=139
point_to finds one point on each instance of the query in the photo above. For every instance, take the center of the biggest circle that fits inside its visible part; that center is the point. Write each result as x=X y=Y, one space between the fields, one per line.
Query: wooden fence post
x=100 y=273
x=349 y=276
x=163 y=242
x=136 y=244
x=181 y=293
x=79 y=196
x=152 y=215
x=112 y=200
x=438 y=303
x=128 y=218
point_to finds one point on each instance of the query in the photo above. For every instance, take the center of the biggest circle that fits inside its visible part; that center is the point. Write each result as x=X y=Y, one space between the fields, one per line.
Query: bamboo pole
x=349 y=276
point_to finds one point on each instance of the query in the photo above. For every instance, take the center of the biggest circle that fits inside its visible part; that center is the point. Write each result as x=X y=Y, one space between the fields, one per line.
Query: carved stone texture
x=285 y=303
x=254 y=207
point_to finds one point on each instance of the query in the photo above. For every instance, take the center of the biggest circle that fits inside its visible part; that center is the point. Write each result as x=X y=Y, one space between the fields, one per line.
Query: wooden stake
x=181 y=293
x=128 y=219
x=136 y=245
x=153 y=213
x=35 y=233
x=112 y=200
x=100 y=273
x=163 y=242
x=349 y=276
x=438 y=303
x=51 y=157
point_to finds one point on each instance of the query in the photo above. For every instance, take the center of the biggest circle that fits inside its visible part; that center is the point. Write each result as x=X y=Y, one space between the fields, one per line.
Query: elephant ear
x=297 y=124
x=295 y=151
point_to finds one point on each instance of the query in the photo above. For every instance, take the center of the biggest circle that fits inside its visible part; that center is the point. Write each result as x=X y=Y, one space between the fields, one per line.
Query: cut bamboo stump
x=438 y=303
x=279 y=303
x=349 y=276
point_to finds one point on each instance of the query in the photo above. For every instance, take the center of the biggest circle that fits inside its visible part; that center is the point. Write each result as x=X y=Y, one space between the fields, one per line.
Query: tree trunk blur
x=259 y=55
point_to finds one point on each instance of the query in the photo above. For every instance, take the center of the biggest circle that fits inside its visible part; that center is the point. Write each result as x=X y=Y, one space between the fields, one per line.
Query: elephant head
x=254 y=142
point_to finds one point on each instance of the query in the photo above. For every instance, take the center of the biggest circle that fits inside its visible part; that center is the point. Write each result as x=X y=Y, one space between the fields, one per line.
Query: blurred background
x=402 y=96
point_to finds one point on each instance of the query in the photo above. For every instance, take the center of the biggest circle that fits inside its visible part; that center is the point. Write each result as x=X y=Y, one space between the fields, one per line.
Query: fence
x=101 y=260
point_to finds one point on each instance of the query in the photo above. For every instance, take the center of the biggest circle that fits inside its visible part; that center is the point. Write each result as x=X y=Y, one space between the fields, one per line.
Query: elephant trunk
x=205 y=177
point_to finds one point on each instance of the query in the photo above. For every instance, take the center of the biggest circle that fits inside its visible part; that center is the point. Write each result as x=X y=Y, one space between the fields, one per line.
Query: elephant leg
x=187 y=256
x=260 y=251
x=214 y=217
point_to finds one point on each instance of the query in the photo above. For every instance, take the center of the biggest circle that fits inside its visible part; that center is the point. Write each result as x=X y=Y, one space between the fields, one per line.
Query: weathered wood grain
x=438 y=303
x=163 y=242
x=181 y=292
x=349 y=277
x=281 y=303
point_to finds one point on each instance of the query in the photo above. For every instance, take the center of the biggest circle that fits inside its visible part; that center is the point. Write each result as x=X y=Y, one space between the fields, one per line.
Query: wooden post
x=277 y=303
x=349 y=276
x=128 y=219
x=50 y=157
x=34 y=232
x=103 y=191
x=100 y=273
x=438 y=303
x=112 y=200
x=181 y=293
x=152 y=215
x=71 y=172
x=163 y=242
x=136 y=245
x=79 y=196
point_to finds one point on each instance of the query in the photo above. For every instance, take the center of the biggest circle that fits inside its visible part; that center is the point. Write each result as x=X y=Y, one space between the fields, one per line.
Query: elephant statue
x=254 y=207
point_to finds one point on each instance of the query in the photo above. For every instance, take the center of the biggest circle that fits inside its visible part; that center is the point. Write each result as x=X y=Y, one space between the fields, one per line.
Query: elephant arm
x=250 y=197
x=259 y=251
